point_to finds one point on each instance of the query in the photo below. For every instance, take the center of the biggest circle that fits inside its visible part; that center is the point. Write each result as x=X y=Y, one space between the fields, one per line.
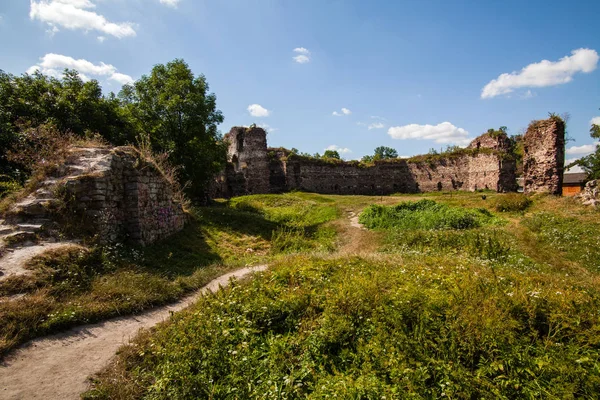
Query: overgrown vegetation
x=591 y=163
x=358 y=328
x=513 y=202
x=493 y=309
x=80 y=285
x=171 y=110
x=424 y=214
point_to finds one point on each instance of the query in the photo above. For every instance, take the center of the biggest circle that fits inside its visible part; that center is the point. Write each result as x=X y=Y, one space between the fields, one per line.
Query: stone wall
x=247 y=154
x=128 y=198
x=544 y=156
x=484 y=165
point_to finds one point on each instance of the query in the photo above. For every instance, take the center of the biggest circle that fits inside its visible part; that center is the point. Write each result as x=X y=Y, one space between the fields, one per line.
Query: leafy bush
x=513 y=202
x=423 y=214
x=8 y=185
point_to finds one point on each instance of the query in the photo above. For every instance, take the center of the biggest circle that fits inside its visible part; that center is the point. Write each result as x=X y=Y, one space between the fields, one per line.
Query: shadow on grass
x=186 y=251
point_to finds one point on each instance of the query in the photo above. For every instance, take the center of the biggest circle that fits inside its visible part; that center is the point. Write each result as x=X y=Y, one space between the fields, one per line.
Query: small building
x=573 y=183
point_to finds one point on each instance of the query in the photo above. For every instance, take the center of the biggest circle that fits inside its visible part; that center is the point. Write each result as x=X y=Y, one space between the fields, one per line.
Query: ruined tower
x=247 y=154
x=544 y=156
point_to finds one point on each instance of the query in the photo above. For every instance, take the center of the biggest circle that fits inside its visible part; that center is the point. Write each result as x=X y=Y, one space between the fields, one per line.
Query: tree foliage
x=591 y=163
x=331 y=154
x=381 y=153
x=69 y=104
x=174 y=109
x=170 y=109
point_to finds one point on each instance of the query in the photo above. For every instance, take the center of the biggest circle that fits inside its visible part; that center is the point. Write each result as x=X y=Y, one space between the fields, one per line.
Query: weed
x=513 y=202
x=362 y=328
x=423 y=214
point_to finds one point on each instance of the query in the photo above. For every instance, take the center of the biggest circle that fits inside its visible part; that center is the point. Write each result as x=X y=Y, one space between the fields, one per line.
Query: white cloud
x=595 y=121
x=583 y=150
x=256 y=110
x=542 y=74
x=267 y=128
x=170 y=3
x=121 y=78
x=54 y=65
x=341 y=150
x=345 y=111
x=101 y=39
x=441 y=133
x=574 y=169
x=378 y=117
x=301 y=59
x=303 y=56
x=376 y=125
x=76 y=15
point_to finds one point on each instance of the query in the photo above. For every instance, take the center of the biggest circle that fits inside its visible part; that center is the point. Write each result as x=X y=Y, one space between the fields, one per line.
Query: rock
x=590 y=195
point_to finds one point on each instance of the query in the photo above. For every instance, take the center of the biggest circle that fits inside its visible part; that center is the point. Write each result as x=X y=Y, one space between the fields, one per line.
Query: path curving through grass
x=58 y=366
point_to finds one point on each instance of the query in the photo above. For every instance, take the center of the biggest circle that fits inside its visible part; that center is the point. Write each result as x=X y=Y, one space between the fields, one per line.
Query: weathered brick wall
x=247 y=154
x=349 y=178
x=127 y=199
x=544 y=156
x=481 y=171
x=255 y=169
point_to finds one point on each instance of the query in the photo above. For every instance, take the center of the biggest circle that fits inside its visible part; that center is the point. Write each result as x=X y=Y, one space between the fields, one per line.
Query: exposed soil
x=57 y=367
x=14 y=262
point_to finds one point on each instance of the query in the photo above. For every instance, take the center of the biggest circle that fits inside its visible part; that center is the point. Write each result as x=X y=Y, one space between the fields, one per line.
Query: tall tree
x=591 y=163
x=331 y=154
x=68 y=103
x=384 y=152
x=178 y=115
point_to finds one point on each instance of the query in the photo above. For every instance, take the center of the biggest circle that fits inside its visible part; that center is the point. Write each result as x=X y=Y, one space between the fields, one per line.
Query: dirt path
x=15 y=260
x=57 y=367
x=356 y=239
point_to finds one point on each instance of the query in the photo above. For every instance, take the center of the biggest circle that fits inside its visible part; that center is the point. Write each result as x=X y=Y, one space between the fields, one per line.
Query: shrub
x=40 y=149
x=8 y=185
x=423 y=214
x=513 y=202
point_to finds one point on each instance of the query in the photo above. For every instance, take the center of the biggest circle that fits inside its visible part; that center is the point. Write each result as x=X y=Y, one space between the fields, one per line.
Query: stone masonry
x=248 y=171
x=128 y=198
x=254 y=168
x=544 y=156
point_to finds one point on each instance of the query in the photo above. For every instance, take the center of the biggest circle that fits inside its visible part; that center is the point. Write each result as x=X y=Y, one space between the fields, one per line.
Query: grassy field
x=80 y=285
x=498 y=305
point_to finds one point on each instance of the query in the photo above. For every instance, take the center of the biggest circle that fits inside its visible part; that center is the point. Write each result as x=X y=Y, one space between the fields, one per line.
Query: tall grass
x=365 y=328
x=424 y=214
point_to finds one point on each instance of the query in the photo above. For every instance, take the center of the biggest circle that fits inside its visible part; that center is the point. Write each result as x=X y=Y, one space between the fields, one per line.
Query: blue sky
x=412 y=71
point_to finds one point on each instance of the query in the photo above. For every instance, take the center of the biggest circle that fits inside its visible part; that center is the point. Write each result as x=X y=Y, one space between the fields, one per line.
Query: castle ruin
x=255 y=168
x=544 y=156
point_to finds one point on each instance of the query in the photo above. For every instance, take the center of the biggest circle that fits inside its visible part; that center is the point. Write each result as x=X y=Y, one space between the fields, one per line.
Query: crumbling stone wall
x=127 y=199
x=544 y=156
x=247 y=154
x=255 y=169
x=321 y=176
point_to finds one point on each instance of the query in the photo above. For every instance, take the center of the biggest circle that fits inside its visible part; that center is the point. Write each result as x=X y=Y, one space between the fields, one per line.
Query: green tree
x=384 y=153
x=331 y=154
x=367 y=159
x=68 y=103
x=591 y=163
x=179 y=116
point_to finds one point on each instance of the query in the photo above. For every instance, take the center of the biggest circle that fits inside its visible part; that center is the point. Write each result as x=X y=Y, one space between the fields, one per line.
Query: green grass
x=83 y=285
x=456 y=302
x=513 y=202
x=424 y=214
x=428 y=327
